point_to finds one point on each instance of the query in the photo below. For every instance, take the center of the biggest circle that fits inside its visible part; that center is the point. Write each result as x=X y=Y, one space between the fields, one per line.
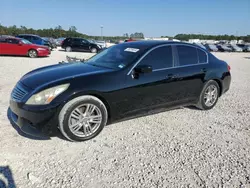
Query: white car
x=236 y=48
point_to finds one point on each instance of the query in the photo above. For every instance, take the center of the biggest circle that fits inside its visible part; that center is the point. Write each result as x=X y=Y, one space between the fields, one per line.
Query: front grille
x=18 y=93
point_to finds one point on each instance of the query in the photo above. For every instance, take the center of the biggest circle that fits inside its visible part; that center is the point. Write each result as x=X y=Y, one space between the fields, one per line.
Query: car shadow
x=145 y=114
x=247 y=57
x=6 y=177
x=15 y=126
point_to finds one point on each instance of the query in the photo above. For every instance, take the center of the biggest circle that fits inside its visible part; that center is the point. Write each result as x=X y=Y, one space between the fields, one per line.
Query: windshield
x=115 y=57
x=25 y=41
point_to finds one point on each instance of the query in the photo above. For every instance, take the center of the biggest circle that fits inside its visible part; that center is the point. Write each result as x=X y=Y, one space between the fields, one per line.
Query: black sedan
x=81 y=45
x=120 y=82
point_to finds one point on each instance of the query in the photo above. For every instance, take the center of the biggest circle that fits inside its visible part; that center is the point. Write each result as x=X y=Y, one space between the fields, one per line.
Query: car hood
x=58 y=72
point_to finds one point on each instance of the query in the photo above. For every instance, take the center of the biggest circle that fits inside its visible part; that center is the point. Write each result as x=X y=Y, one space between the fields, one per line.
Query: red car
x=22 y=47
x=129 y=40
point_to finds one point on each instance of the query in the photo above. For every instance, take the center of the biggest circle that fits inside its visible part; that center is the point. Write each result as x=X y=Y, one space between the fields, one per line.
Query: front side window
x=84 y=41
x=187 y=55
x=26 y=41
x=202 y=56
x=159 y=58
x=77 y=41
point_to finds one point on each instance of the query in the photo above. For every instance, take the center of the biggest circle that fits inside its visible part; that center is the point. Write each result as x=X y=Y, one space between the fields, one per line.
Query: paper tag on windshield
x=131 y=50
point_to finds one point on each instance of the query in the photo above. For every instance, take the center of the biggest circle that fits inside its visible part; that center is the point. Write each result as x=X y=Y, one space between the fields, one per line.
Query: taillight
x=228 y=67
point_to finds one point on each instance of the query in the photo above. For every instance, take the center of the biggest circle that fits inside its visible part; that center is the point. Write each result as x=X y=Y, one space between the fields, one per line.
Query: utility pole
x=101 y=31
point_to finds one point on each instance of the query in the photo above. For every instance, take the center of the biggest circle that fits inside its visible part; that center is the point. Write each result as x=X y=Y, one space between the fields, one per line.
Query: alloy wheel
x=210 y=96
x=85 y=120
x=32 y=53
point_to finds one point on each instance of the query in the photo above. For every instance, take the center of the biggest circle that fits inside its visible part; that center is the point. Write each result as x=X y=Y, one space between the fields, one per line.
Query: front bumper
x=33 y=122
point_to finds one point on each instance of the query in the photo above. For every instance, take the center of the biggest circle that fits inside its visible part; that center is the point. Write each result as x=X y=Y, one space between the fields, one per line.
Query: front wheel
x=93 y=50
x=209 y=95
x=32 y=53
x=82 y=118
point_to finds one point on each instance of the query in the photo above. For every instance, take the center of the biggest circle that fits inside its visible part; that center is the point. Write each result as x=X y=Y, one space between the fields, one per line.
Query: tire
x=67 y=115
x=68 y=49
x=93 y=50
x=202 y=104
x=32 y=53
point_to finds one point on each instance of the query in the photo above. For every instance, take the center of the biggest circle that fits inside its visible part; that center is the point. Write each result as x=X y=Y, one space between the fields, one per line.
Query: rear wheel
x=68 y=49
x=82 y=118
x=209 y=95
x=32 y=53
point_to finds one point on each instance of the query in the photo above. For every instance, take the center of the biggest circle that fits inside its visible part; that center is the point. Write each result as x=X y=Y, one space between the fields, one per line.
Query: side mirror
x=143 y=69
x=20 y=43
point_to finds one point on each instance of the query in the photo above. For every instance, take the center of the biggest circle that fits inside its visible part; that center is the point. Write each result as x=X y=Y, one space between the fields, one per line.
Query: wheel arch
x=32 y=49
x=94 y=94
x=220 y=85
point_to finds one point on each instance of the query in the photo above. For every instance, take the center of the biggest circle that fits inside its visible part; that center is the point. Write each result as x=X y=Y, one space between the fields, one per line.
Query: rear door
x=85 y=45
x=3 y=46
x=191 y=68
x=12 y=47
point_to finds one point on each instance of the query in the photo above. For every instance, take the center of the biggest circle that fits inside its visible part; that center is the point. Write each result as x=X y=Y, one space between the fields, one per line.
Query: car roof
x=9 y=37
x=153 y=43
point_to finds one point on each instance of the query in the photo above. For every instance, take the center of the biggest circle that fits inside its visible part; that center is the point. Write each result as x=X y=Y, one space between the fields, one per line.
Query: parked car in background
x=129 y=40
x=35 y=39
x=246 y=48
x=223 y=48
x=101 y=43
x=52 y=41
x=80 y=44
x=211 y=47
x=120 y=82
x=236 y=48
x=22 y=47
x=59 y=41
x=200 y=45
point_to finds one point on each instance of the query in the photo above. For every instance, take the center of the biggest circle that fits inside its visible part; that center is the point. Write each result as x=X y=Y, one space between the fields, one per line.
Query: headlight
x=99 y=46
x=47 y=95
x=39 y=49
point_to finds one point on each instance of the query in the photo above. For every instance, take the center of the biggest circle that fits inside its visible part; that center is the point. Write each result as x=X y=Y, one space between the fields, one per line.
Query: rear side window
x=159 y=58
x=2 y=40
x=187 y=55
x=12 y=41
x=202 y=56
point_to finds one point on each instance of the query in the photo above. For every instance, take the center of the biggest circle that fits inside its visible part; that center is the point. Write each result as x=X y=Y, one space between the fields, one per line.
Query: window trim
x=174 y=54
x=159 y=46
x=197 y=48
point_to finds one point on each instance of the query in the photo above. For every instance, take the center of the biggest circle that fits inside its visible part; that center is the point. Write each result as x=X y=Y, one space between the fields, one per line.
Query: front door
x=150 y=90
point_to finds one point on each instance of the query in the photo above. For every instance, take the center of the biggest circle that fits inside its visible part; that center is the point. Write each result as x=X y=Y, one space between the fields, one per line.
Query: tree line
x=58 y=32
x=135 y=35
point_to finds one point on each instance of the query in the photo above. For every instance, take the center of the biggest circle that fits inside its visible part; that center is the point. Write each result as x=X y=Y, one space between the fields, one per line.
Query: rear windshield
x=118 y=56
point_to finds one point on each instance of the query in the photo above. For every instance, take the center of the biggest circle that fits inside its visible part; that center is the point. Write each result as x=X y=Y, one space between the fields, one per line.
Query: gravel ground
x=180 y=148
